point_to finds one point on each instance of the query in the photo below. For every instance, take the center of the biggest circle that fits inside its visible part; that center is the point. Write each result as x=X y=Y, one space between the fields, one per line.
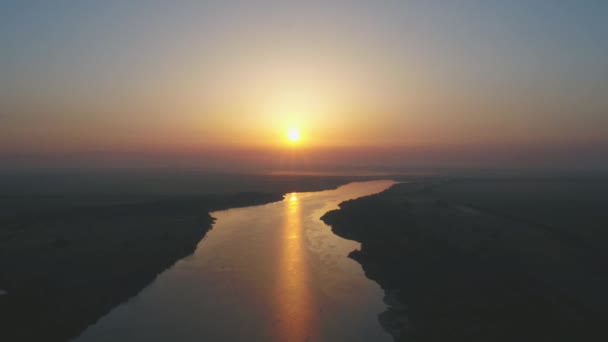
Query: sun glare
x=293 y=135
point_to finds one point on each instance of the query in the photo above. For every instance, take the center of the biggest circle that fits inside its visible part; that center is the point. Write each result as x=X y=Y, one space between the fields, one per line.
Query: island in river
x=485 y=260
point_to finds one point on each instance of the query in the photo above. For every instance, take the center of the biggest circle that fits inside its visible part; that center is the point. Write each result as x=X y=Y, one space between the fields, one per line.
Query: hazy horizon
x=216 y=84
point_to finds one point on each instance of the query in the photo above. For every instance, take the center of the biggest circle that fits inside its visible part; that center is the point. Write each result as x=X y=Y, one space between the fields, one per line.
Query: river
x=273 y=272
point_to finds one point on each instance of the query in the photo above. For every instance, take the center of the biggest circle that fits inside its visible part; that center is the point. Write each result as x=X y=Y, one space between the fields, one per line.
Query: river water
x=273 y=272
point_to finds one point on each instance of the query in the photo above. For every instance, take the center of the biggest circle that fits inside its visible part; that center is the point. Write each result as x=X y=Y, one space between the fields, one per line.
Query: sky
x=367 y=83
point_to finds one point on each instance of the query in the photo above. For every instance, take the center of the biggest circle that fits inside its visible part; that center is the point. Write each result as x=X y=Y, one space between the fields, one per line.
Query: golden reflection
x=293 y=298
x=293 y=197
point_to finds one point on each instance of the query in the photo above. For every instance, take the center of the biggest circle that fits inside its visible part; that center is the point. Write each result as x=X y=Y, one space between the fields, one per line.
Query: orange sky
x=223 y=79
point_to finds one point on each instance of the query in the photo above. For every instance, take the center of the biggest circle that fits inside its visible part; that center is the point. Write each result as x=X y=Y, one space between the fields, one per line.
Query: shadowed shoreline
x=64 y=270
x=484 y=260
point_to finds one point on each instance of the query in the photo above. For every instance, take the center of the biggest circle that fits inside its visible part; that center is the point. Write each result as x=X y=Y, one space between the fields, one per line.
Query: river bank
x=483 y=261
x=63 y=270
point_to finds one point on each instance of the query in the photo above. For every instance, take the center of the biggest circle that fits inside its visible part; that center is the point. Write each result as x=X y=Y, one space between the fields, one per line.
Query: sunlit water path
x=274 y=272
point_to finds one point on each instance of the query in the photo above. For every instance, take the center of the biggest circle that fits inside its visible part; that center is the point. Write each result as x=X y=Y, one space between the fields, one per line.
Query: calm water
x=274 y=272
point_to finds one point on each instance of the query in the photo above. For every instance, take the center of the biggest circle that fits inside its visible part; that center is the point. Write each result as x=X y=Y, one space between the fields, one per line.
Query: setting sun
x=293 y=135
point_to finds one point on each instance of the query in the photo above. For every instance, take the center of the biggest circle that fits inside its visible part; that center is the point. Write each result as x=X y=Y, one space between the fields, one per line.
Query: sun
x=293 y=134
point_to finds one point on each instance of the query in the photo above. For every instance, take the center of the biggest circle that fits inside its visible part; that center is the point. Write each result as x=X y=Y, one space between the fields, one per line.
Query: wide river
x=273 y=272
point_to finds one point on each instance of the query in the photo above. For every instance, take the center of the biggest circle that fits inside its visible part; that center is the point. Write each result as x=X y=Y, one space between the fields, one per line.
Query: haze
x=396 y=83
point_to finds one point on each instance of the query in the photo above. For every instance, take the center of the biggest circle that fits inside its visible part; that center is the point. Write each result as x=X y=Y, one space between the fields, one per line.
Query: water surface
x=274 y=272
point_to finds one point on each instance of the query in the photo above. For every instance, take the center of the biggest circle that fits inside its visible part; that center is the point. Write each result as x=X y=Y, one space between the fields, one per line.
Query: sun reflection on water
x=293 y=296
